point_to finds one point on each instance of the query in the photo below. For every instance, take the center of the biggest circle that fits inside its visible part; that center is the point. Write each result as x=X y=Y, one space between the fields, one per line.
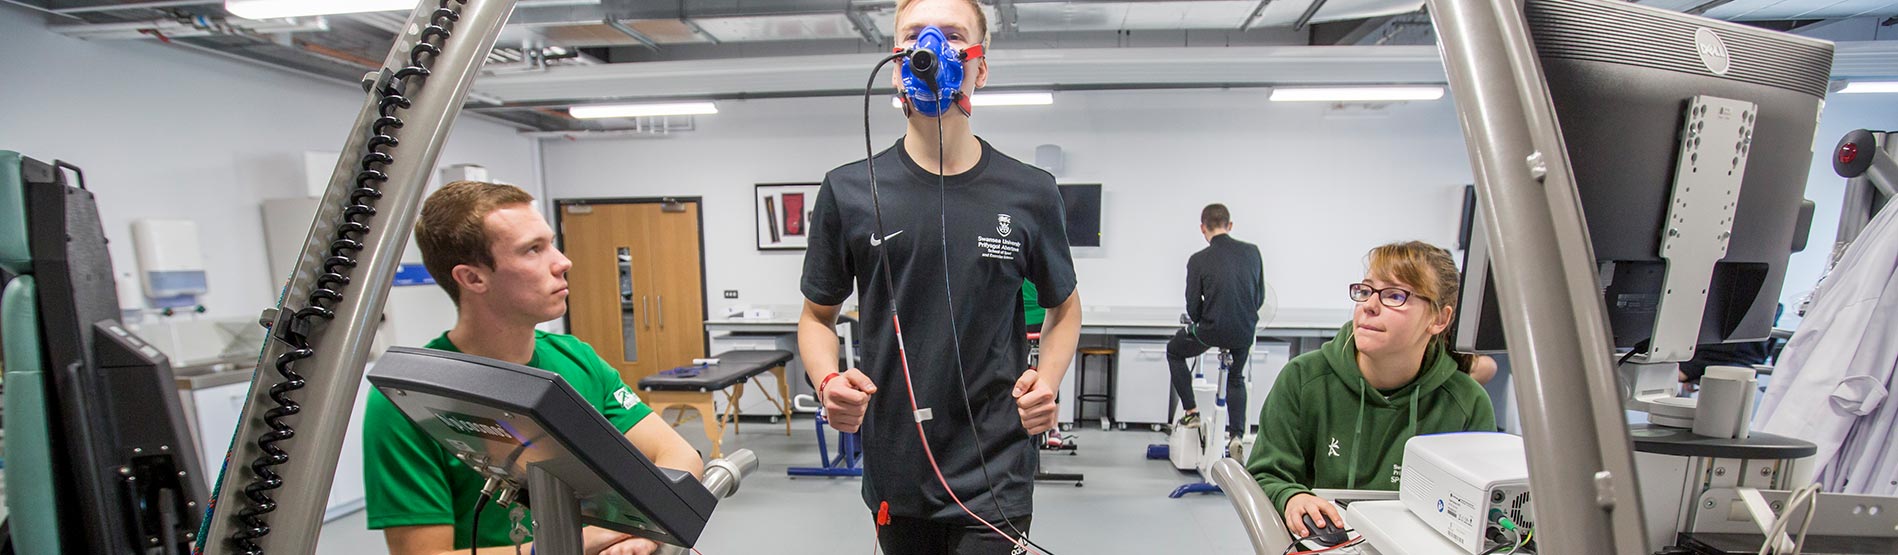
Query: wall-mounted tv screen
x=1082 y=204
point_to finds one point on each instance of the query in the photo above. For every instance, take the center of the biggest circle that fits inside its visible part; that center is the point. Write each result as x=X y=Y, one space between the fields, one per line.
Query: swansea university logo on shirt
x=999 y=248
x=627 y=399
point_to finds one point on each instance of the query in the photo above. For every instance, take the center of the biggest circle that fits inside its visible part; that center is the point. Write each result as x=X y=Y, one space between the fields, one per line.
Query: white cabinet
x=1262 y=370
x=1142 y=383
x=218 y=409
x=1067 y=404
x=217 y=412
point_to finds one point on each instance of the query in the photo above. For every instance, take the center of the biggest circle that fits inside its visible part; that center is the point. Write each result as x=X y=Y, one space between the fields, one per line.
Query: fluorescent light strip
x=1012 y=99
x=1355 y=94
x=273 y=9
x=643 y=110
x=1860 y=87
x=1000 y=99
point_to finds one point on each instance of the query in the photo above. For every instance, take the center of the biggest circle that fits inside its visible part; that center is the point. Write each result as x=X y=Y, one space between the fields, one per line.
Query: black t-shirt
x=1004 y=225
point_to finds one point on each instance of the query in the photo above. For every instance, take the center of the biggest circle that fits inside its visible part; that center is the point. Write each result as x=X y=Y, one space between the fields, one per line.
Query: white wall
x=1312 y=190
x=1843 y=113
x=1309 y=187
x=164 y=132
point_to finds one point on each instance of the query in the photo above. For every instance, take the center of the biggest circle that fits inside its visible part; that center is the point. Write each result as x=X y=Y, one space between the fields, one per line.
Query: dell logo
x=1713 y=53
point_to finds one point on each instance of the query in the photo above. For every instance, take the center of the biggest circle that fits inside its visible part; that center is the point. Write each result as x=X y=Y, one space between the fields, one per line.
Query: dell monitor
x=1649 y=110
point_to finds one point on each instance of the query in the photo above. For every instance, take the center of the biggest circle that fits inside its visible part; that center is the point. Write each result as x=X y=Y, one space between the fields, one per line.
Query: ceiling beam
x=111 y=7
x=865 y=28
x=1704 y=6
x=41 y=9
x=632 y=33
x=1253 y=19
x=1786 y=25
x=1348 y=32
x=1305 y=18
x=1011 y=21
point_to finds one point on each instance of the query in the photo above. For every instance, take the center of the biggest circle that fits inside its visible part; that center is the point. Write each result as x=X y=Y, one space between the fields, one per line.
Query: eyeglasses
x=1390 y=296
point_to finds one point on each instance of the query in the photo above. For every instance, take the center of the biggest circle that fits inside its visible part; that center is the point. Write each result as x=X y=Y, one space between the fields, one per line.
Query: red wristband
x=825 y=382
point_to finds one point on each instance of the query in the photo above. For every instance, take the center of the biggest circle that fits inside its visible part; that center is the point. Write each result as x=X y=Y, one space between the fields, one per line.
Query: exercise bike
x=1197 y=448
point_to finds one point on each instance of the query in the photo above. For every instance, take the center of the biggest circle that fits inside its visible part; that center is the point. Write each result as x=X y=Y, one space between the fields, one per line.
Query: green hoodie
x=1323 y=426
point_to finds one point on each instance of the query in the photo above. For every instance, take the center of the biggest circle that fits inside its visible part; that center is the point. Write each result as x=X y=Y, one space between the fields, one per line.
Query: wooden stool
x=1082 y=397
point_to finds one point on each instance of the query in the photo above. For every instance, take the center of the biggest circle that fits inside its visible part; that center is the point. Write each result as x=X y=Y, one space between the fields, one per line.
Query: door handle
x=662 y=312
x=646 y=311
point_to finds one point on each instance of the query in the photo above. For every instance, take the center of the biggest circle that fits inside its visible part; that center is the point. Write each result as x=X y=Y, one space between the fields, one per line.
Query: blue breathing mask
x=932 y=73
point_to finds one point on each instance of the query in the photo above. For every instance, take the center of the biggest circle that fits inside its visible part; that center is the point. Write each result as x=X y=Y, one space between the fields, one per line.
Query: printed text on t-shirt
x=999 y=249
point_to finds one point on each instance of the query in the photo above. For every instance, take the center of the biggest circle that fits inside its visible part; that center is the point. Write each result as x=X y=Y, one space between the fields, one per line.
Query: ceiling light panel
x=1137 y=16
x=779 y=27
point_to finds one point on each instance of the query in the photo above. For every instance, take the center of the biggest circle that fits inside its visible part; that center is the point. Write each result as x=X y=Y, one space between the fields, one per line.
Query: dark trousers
x=1184 y=346
x=916 y=536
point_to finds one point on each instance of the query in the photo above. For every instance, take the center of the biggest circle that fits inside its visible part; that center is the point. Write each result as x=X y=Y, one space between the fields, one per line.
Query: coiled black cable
x=345 y=244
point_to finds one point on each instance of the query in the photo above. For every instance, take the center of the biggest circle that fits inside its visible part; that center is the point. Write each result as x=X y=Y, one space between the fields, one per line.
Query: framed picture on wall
x=784 y=215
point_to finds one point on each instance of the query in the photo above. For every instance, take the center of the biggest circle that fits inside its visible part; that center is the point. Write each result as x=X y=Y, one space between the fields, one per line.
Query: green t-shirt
x=1031 y=305
x=414 y=481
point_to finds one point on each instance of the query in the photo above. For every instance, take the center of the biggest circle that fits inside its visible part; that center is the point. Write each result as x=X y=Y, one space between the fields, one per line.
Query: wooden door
x=608 y=305
x=637 y=287
x=677 y=283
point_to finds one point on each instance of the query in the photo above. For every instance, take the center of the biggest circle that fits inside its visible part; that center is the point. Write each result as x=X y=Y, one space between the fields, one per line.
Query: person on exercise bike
x=1338 y=417
x=1225 y=286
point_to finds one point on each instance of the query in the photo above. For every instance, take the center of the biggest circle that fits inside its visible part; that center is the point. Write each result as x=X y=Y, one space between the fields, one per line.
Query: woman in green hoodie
x=1339 y=417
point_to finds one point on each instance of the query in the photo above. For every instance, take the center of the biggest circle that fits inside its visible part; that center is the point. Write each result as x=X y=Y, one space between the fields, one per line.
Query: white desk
x=1164 y=321
x=1289 y=323
x=1144 y=393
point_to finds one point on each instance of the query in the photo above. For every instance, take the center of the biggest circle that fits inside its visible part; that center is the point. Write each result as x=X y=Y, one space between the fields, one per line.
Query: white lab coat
x=1833 y=383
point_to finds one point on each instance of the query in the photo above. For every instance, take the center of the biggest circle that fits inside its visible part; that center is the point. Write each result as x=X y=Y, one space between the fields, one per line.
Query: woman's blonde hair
x=1431 y=271
x=1423 y=266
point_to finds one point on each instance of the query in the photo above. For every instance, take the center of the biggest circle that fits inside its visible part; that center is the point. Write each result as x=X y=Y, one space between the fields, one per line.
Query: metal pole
x=1580 y=458
x=1883 y=175
x=722 y=477
x=334 y=373
x=556 y=514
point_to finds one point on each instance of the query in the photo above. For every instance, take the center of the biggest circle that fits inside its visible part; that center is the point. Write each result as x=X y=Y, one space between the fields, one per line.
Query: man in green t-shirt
x=495 y=256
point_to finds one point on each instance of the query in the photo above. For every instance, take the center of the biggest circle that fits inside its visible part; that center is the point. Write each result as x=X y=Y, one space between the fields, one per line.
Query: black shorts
x=916 y=536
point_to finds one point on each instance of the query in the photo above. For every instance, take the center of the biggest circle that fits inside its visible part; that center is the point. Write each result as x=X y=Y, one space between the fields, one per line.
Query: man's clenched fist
x=846 y=398
x=1035 y=402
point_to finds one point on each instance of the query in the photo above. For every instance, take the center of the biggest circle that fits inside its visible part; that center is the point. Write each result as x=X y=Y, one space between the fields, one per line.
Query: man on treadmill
x=962 y=226
x=494 y=254
x=1225 y=286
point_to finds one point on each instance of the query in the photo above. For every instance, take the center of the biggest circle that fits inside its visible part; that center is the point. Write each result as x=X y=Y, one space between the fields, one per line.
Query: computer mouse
x=1324 y=535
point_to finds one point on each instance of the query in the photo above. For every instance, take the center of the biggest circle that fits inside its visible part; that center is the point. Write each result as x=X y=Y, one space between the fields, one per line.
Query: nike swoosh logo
x=875 y=242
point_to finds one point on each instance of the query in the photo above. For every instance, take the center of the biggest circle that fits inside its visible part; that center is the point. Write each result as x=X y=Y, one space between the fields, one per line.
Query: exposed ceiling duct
x=1021 y=69
x=182 y=27
x=1779 y=10
x=1081 y=69
x=557 y=52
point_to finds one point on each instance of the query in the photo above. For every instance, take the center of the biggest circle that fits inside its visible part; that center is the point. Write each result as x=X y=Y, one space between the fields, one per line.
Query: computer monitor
x=1635 y=102
x=99 y=456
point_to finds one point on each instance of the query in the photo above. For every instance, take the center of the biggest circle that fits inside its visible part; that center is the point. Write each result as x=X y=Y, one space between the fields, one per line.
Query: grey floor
x=1123 y=507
